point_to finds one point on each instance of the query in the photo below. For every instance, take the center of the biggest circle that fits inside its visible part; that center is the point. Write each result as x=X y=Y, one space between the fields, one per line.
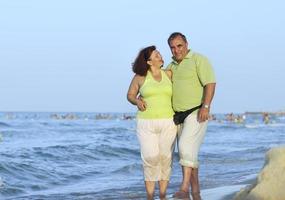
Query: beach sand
x=270 y=182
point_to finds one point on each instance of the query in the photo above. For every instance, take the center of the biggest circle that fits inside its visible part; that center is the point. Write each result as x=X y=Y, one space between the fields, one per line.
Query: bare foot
x=181 y=195
x=196 y=196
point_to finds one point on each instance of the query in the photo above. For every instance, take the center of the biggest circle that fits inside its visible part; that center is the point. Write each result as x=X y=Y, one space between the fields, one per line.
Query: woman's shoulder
x=139 y=79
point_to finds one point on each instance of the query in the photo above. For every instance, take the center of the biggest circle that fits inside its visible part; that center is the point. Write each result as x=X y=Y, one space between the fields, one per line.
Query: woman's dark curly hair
x=140 y=65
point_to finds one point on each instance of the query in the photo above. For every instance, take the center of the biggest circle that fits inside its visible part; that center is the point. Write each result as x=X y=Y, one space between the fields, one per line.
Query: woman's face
x=155 y=59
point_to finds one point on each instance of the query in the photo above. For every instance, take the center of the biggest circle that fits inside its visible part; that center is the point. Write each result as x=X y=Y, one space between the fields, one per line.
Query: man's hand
x=141 y=104
x=209 y=91
x=203 y=114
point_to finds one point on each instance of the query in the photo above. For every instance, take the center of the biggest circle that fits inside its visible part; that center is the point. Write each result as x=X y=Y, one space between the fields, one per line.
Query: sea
x=82 y=156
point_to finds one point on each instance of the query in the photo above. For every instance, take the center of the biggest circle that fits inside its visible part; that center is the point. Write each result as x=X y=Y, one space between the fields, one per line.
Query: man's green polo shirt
x=189 y=77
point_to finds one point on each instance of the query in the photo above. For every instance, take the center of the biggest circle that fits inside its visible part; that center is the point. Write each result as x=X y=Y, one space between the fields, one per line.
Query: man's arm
x=209 y=91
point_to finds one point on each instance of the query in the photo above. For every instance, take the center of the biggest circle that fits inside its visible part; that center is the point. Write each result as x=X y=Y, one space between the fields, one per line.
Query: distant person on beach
x=266 y=118
x=151 y=91
x=230 y=117
x=193 y=87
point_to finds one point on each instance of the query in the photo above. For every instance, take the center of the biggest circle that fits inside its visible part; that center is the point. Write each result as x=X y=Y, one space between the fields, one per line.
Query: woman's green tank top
x=157 y=96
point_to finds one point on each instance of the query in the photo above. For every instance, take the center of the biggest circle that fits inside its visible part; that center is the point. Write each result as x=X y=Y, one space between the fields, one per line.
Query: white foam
x=1 y=183
x=264 y=125
x=220 y=192
x=215 y=193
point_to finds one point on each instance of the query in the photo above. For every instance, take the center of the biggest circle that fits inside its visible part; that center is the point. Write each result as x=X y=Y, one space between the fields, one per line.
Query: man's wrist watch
x=207 y=106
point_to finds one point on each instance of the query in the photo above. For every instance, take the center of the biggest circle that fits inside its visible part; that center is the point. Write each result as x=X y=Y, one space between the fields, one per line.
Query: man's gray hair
x=176 y=34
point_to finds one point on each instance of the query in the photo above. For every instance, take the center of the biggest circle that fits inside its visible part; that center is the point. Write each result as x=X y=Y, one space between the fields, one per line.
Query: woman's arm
x=133 y=93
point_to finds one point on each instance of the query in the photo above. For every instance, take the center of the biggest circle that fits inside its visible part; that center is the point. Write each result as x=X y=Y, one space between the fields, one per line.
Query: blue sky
x=77 y=55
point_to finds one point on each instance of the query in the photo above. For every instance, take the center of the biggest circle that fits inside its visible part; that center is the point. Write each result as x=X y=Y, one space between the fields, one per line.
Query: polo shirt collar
x=188 y=56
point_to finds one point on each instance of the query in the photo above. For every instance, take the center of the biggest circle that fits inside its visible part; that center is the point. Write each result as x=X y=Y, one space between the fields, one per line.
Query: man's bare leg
x=195 y=187
x=186 y=172
x=183 y=192
x=194 y=180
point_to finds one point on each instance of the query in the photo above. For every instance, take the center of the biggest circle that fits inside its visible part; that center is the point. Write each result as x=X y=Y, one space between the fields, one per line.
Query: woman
x=156 y=130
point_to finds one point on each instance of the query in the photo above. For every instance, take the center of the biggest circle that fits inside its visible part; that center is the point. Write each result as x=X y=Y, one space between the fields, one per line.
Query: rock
x=270 y=183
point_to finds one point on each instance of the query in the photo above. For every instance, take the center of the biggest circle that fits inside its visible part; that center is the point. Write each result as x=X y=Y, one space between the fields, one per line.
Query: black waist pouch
x=179 y=117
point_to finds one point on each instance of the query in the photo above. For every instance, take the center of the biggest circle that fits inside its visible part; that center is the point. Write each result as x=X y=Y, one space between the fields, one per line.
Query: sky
x=76 y=56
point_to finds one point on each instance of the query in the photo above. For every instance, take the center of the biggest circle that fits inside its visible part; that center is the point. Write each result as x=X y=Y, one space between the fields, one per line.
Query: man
x=193 y=85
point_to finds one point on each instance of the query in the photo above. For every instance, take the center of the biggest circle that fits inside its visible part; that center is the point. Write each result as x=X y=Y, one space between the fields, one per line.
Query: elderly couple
x=188 y=82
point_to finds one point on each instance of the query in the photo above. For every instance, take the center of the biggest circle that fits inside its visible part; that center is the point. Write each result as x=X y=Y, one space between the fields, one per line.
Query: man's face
x=179 y=48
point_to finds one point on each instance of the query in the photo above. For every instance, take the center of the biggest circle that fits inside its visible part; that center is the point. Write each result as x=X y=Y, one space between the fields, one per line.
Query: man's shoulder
x=199 y=55
x=200 y=59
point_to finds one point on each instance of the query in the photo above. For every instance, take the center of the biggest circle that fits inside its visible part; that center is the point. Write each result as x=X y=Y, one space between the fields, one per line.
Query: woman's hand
x=141 y=104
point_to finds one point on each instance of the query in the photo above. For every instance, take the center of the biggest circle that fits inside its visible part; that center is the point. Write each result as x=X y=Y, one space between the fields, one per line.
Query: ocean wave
x=111 y=151
x=7 y=192
x=1 y=183
x=116 y=130
x=255 y=126
x=45 y=123
x=70 y=152
x=21 y=178
x=30 y=178
x=230 y=127
x=66 y=124
x=247 y=150
x=2 y=124
x=77 y=153
x=128 y=169
x=234 y=156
